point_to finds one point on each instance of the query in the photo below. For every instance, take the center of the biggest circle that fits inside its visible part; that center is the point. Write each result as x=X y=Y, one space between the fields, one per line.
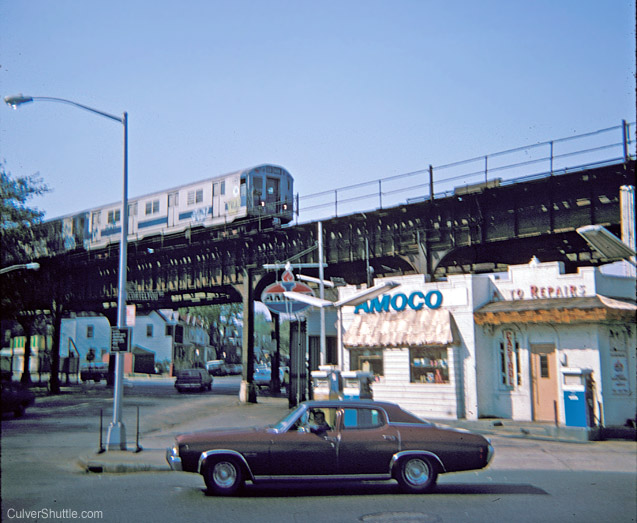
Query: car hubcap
x=224 y=474
x=416 y=472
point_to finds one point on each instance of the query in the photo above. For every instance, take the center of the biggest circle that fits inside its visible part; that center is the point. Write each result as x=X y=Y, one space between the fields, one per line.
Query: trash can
x=577 y=397
x=327 y=383
x=357 y=385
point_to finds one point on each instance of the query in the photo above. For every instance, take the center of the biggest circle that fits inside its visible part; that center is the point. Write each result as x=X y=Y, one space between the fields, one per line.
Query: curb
x=121 y=461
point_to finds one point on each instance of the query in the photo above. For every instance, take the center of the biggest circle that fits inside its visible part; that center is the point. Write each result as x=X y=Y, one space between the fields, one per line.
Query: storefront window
x=429 y=365
x=368 y=360
x=509 y=355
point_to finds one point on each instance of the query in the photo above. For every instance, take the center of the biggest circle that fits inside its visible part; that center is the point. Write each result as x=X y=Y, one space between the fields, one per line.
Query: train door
x=272 y=194
x=132 y=218
x=216 y=199
x=173 y=208
x=96 y=217
x=544 y=380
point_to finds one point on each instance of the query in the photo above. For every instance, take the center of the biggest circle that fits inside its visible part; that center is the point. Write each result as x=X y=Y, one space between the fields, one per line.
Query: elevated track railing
x=574 y=153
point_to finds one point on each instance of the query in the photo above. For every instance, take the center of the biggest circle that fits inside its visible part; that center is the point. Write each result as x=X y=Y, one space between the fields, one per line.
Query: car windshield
x=289 y=419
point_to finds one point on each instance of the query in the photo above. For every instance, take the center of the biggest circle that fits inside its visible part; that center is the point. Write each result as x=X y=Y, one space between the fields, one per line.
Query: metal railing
x=583 y=151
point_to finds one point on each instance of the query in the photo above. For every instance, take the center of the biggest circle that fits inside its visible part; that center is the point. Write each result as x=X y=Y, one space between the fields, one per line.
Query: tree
x=223 y=320
x=18 y=221
x=17 y=229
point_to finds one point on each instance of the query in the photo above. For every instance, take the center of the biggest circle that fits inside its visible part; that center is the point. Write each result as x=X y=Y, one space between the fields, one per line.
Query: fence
x=579 y=152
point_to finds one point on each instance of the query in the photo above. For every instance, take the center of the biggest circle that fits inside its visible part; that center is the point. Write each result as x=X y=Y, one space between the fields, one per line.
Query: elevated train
x=263 y=192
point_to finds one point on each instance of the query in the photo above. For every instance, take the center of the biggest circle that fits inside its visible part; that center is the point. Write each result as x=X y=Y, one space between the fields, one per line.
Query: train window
x=132 y=209
x=152 y=207
x=96 y=217
x=195 y=196
x=219 y=189
x=114 y=216
x=173 y=199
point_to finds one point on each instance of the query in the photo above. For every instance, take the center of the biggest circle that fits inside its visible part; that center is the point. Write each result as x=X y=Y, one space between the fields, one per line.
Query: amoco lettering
x=399 y=302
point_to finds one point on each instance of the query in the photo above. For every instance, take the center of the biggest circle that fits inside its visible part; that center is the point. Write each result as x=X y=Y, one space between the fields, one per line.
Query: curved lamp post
x=28 y=266
x=116 y=431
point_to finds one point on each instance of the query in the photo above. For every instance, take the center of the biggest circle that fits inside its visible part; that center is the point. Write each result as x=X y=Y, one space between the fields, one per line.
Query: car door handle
x=331 y=441
x=388 y=437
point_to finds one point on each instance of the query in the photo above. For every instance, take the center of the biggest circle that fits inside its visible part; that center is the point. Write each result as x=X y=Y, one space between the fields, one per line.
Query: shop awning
x=408 y=328
x=556 y=310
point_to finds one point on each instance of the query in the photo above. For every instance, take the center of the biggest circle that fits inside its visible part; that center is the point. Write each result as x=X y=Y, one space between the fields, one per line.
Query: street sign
x=120 y=339
x=273 y=298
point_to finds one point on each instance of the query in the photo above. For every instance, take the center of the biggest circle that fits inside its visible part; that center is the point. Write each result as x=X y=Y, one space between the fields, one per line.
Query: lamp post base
x=116 y=436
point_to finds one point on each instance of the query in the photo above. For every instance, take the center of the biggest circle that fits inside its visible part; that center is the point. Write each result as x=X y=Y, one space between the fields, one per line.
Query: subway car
x=258 y=195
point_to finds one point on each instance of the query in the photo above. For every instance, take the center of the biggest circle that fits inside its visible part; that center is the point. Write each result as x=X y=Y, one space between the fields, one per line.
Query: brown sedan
x=357 y=440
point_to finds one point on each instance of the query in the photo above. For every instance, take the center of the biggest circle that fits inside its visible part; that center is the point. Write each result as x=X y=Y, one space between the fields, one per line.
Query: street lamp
x=606 y=243
x=116 y=430
x=34 y=266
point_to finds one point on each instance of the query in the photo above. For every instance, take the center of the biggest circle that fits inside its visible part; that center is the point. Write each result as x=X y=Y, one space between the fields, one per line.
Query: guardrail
x=575 y=153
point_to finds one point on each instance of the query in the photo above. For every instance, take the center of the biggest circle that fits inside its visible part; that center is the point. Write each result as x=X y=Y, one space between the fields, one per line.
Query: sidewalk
x=269 y=410
x=152 y=457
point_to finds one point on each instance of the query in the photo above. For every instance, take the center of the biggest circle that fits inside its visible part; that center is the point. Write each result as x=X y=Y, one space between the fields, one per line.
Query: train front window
x=272 y=189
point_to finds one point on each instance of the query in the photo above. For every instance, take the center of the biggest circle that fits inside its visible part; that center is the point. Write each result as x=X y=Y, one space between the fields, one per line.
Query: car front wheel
x=417 y=475
x=223 y=476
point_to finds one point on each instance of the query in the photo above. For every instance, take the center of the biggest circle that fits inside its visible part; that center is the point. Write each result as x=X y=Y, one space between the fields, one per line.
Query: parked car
x=193 y=379
x=357 y=440
x=216 y=367
x=16 y=398
x=235 y=369
x=95 y=372
x=262 y=376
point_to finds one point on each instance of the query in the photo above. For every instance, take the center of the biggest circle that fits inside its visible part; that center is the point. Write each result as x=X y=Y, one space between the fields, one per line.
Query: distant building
x=533 y=343
x=163 y=337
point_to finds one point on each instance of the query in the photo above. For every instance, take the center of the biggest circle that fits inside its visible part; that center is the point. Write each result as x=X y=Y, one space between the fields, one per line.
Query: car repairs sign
x=273 y=298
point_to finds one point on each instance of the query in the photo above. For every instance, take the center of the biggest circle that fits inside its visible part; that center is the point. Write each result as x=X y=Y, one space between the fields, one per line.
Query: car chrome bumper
x=490 y=452
x=173 y=459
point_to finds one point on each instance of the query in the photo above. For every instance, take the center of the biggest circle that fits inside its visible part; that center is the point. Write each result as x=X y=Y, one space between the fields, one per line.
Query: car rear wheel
x=417 y=475
x=223 y=476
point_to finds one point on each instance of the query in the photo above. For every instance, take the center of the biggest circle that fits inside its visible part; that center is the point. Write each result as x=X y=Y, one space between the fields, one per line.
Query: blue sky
x=338 y=92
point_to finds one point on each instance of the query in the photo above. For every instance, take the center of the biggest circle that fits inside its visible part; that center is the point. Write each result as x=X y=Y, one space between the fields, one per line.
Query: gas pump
x=579 y=397
x=357 y=385
x=327 y=383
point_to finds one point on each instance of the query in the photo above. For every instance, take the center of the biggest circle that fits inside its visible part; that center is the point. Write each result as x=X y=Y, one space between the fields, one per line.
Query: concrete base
x=247 y=392
x=116 y=437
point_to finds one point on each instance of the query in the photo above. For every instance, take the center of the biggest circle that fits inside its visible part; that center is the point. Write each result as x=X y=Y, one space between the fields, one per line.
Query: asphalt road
x=528 y=480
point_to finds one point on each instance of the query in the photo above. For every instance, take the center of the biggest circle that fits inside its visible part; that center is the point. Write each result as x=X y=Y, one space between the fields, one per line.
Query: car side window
x=364 y=418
